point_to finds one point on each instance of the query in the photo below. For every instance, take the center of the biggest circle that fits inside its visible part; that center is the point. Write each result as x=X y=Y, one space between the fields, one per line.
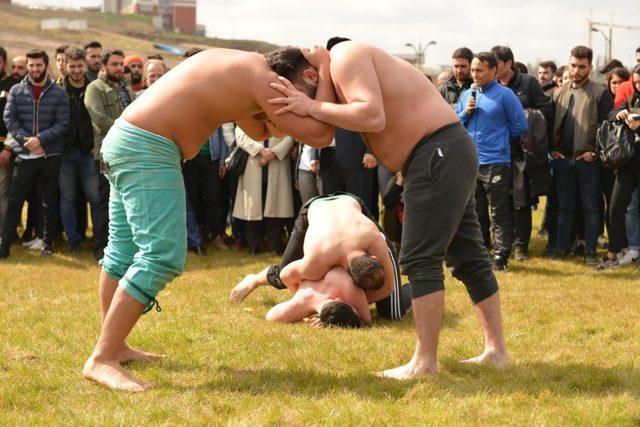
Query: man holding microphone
x=493 y=115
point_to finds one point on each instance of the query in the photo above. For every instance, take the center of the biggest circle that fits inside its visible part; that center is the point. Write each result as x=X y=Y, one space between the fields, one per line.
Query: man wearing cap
x=136 y=65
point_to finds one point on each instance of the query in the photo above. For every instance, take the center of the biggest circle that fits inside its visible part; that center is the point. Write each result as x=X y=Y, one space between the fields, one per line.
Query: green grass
x=572 y=333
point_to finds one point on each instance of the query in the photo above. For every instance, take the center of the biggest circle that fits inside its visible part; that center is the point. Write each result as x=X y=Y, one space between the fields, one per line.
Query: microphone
x=474 y=89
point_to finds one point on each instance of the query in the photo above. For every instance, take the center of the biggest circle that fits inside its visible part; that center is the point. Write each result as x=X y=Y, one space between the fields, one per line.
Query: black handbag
x=236 y=161
x=616 y=143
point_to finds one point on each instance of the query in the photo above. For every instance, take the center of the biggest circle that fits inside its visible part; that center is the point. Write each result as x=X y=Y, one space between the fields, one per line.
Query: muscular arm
x=294 y=310
x=307 y=268
x=357 y=78
x=306 y=129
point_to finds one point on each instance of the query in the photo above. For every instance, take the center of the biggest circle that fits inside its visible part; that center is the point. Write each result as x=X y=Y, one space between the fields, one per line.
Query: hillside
x=20 y=31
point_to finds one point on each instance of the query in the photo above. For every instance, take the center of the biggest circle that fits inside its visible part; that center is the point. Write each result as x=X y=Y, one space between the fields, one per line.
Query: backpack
x=616 y=143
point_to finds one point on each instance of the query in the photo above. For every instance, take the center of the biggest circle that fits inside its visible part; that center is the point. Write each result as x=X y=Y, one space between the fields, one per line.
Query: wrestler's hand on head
x=317 y=56
x=295 y=101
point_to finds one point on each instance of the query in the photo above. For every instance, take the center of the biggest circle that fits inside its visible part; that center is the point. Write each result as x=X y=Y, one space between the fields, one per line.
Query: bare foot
x=130 y=354
x=244 y=288
x=410 y=371
x=112 y=376
x=491 y=358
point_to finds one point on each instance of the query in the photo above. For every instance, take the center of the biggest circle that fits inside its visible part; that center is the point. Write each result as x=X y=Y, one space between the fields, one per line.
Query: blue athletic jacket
x=497 y=119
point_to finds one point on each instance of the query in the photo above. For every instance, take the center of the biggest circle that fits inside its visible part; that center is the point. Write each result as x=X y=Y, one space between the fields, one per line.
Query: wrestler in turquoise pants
x=147 y=211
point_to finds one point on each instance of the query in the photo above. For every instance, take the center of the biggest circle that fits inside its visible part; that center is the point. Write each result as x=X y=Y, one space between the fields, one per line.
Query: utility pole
x=592 y=28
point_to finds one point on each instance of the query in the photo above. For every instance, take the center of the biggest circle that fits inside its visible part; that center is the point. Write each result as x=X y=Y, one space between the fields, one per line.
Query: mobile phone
x=634 y=117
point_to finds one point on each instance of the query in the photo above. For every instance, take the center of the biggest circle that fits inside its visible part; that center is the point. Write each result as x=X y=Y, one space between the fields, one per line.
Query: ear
x=310 y=73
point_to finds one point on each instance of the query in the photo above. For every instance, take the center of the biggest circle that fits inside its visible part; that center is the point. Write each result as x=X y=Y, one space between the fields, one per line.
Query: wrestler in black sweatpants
x=440 y=220
x=394 y=307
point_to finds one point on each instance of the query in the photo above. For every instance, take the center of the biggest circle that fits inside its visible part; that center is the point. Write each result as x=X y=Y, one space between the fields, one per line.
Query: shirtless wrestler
x=141 y=156
x=408 y=126
x=337 y=230
x=334 y=299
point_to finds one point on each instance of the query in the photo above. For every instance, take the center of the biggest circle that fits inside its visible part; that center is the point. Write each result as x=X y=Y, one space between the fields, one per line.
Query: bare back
x=413 y=106
x=336 y=228
x=213 y=87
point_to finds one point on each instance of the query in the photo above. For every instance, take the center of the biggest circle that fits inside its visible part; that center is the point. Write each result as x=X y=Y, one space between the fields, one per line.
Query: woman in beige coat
x=264 y=198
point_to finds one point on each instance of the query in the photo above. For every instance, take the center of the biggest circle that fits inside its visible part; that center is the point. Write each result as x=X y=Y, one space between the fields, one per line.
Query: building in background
x=176 y=15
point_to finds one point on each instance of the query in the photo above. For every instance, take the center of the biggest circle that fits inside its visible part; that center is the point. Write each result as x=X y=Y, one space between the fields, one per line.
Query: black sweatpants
x=204 y=185
x=440 y=221
x=395 y=306
x=44 y=172
x=494 y=207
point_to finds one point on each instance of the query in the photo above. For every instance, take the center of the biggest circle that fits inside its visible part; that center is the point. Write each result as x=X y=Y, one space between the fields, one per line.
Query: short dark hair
x=621 y=72
x=488 y=58
x=75 y=53
x=367 y=272
x=610 y=66
x=549 y=64
x=189 y=53
x=338 y=313
x=3 y=54
x=38 y=53
x=582 y=52
x=636 y=69
x=638 y=49
x=155 y=56
x=503 y=53
x=288 y=62
x=106 y=54
x=94 y=44
x=61 y=48
x=463 y=53
x=520 y=66
x=561 y=70
x=335 y=40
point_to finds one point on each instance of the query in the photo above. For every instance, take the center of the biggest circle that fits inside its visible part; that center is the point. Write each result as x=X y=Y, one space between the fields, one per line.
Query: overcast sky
x=533 y=29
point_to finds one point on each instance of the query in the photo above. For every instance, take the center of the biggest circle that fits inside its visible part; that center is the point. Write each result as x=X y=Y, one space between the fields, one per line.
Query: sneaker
x=591 y=258
x=520 y=254
x=46 y=251
x=608 y=264
x=28 y=243
x=198 y=250
x=36 y=244
x=500 y=263
x=628 y=257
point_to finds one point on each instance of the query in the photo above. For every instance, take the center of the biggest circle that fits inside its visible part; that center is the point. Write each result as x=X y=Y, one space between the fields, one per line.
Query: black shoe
x=98 y=254
x=47 y=250
x=500 y=263
x=579 y=250
x=549 y=250
x=591 y=258
x=4 y=252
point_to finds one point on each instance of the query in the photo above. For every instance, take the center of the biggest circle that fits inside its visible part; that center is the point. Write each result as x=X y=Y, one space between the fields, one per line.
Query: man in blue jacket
x=493 y=116
x=37 y=116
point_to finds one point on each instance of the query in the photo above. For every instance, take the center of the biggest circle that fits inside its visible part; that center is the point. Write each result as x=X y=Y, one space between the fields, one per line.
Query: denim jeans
x=632 y=221
x=74 y=165
x=571 y=177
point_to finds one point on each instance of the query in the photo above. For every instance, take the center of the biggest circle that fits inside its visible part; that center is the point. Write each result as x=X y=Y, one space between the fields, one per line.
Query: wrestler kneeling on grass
x=337 y=230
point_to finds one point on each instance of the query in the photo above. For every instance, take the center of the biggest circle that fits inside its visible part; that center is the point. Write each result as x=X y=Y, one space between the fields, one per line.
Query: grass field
x=572 y=333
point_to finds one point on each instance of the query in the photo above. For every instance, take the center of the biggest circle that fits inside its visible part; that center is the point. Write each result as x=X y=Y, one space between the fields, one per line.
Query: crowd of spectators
x=535 y=136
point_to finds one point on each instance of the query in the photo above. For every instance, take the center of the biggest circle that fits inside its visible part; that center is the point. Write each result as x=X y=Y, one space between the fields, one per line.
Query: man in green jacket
x=106 y=97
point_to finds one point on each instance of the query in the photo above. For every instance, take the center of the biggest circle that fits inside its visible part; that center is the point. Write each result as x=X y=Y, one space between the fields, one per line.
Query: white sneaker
x=36 y=245
x=628 y=257
x=30 y=242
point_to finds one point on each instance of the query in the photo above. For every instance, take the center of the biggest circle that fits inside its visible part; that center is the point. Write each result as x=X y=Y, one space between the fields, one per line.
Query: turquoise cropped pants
x=147 y=211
